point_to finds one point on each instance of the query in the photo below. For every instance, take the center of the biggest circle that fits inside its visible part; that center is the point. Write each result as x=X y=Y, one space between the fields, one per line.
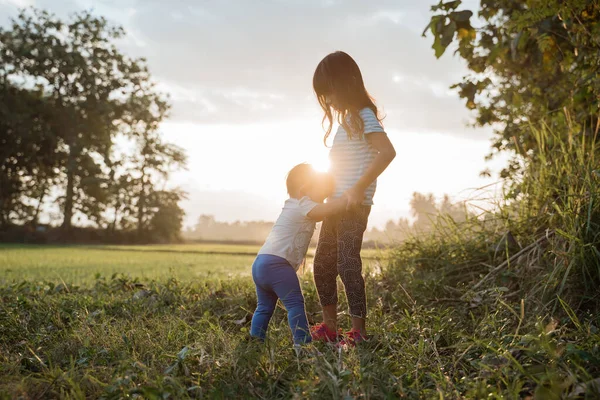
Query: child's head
x=340 y=89
x=303 y=180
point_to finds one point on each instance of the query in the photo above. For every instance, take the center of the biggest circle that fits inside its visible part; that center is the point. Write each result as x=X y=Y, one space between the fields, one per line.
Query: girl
x=361 y=151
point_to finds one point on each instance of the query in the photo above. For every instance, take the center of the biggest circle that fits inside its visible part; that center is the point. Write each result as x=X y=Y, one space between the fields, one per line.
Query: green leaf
x=437 y=46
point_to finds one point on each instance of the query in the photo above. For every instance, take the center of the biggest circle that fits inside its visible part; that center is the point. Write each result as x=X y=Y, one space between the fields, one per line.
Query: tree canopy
x=67 y=93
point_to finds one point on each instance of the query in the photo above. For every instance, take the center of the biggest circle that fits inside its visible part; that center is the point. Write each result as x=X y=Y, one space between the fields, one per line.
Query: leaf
x=437 y=46
x=450 y=5
x=448 y=34
x=461 y=16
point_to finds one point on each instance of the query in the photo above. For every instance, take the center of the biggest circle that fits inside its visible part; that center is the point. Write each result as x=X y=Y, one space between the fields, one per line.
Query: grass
x=121 y=338
x=228 y=249
x=79 y=264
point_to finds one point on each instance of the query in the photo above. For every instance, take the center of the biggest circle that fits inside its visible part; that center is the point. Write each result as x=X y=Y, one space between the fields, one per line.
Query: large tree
x=529 y=61
x=92 y=87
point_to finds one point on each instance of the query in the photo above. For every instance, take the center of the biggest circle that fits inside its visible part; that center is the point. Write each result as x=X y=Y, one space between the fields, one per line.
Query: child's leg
x=350 y=236
x=267 y=299
x=325 y=271
x=287 y=287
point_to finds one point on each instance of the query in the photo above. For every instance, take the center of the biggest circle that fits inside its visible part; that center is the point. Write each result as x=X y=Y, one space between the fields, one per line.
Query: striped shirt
x=351 y=157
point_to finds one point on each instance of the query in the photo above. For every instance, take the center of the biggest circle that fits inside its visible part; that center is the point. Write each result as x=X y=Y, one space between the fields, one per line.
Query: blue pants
x=275 y=278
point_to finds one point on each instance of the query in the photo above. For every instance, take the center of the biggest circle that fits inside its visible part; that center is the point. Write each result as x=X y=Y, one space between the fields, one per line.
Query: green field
x=81 y=264
x=173 y=323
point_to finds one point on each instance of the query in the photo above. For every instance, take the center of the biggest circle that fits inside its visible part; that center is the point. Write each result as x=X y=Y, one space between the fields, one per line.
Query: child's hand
x=354 y=198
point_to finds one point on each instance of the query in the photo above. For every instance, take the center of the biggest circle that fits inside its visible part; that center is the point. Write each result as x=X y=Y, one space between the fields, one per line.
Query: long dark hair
x=338 y=75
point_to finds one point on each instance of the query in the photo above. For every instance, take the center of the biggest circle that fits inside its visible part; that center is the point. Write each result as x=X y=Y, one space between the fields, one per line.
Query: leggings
x=275 y=278
x=338 y=253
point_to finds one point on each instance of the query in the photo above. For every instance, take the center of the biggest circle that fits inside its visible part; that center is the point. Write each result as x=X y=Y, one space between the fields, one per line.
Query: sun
x=321 y=163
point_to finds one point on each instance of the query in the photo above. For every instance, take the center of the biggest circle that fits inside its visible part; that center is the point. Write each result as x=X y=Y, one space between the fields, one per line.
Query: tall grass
x=562 y=192
x=541 y=245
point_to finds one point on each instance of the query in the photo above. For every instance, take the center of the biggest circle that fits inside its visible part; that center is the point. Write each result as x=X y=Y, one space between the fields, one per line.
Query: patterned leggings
x=338 y=253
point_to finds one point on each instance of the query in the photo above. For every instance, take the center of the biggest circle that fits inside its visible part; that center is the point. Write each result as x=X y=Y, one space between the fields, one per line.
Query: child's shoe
x=352 y=338
x=322 y=333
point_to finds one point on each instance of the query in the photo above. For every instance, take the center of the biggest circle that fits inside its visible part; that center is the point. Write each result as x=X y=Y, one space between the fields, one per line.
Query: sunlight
x=321 y=162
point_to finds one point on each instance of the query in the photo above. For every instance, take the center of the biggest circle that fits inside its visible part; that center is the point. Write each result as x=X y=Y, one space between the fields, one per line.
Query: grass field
x=173 y=323
x=80 y=264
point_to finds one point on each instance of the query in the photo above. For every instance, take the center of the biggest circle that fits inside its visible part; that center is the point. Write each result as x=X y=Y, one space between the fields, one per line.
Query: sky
x=239 y=76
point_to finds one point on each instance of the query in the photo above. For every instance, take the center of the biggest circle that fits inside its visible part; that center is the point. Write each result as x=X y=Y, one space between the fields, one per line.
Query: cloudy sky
x=239 y=74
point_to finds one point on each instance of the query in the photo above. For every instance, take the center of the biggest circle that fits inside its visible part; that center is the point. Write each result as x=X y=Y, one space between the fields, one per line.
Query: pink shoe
x=322 y=333
x=352 y=338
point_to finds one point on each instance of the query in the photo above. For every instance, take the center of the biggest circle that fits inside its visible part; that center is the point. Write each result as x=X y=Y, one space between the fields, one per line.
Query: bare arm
x=386 y=153
x=321 y=211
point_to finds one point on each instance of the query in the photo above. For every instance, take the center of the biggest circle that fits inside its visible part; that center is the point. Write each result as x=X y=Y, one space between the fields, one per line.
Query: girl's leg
x=325 y=271
x=267 y=299
x=287 y=287
x=349 y=263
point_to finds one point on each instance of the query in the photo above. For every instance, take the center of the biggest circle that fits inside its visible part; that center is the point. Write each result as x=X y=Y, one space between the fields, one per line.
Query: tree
x=153 y=159
x=91 y=85
x=166 y=216
x=29 y=156
x=424 y=210
x=530 y=61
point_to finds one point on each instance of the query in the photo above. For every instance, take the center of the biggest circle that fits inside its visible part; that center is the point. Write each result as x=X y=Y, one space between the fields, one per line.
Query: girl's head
x=340 y=90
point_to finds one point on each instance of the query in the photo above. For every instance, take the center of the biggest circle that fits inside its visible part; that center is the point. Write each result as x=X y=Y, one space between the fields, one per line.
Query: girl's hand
x=354 y=198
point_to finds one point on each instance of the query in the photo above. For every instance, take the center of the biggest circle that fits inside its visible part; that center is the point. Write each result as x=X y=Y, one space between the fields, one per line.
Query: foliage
x=542 y=247
x=28 y=152
x=68 y=94
x=167 y=216
x=529 y=61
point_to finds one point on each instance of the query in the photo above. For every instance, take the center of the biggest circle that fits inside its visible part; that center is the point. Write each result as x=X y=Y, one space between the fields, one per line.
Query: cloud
x=235 y=61
x=17 y=3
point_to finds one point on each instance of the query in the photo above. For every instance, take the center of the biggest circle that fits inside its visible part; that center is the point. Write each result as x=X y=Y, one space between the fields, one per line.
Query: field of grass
x=228 y=249
x=80 y=264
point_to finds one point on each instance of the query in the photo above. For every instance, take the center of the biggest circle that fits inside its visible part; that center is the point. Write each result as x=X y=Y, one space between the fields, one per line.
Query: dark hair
x=299 y=176
x=338 y=74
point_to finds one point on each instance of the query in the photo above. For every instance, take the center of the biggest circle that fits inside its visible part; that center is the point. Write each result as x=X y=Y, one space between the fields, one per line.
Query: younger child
x=274 y=270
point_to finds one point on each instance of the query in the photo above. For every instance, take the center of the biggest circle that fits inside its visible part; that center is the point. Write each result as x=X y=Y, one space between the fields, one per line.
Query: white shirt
x=351 y=157
x=292 y=232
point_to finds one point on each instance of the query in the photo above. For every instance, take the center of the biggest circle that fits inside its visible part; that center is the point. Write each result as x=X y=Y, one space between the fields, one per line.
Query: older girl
x=361 y=151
